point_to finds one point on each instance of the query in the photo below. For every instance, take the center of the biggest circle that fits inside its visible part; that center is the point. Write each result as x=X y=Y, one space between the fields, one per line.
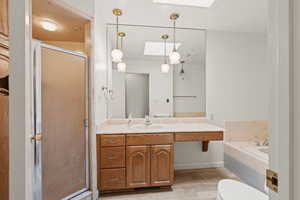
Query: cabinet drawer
x=112 y=157
x=112 y=179
x=150 y=139
x=112 y=140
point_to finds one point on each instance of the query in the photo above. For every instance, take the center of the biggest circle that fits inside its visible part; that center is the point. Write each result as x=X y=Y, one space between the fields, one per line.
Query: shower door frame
x=37 y=91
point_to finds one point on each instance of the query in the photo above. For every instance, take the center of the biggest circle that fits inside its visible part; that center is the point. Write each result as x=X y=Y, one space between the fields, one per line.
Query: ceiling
x=224 y=15
x=192 y=48
x=70 y=25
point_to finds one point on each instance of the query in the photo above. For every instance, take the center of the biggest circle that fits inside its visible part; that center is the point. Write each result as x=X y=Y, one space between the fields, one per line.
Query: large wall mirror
x=142 y=88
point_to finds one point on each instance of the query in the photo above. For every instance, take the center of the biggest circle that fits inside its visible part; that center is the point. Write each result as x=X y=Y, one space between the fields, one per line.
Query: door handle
x=37 y=137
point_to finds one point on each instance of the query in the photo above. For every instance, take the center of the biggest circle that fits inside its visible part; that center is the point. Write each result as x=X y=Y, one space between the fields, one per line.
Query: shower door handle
x=37 y=137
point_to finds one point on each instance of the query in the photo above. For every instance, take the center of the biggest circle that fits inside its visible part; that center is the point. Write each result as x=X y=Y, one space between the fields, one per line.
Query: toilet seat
x=234 y=190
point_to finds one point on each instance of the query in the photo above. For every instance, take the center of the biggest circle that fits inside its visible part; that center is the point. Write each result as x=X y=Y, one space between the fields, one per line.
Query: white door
x=280 y=115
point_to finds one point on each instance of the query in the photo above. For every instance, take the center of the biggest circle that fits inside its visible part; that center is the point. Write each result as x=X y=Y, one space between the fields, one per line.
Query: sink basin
x=143 y=126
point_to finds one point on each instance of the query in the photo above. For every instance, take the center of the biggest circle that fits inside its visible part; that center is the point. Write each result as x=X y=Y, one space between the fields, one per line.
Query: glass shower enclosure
x=61 y=132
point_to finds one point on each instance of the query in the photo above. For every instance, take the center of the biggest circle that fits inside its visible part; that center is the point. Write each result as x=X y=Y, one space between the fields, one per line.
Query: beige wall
x=256 y=130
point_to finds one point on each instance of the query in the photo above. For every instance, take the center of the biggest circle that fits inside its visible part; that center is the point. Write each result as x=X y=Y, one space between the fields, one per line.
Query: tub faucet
x=266 y=142
x=257 y=143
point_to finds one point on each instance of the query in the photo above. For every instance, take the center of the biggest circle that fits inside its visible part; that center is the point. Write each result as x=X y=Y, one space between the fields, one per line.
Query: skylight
x=196 y=3
x=157 y=48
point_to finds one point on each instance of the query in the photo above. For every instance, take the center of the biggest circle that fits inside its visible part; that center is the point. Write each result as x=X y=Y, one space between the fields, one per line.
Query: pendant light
x=174 y=55
x=117 y=53
x=165 y=67
x=121 y=65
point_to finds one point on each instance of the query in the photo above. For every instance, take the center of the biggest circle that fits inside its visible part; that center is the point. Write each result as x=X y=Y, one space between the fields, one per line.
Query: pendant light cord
x=174 y=35
x=121 y=43
x=117 y=34
x=165 y=53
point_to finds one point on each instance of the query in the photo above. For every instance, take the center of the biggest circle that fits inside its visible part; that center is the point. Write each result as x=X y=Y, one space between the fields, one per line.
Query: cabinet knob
x=111 y=157
x=114 y=180
x=112 y=141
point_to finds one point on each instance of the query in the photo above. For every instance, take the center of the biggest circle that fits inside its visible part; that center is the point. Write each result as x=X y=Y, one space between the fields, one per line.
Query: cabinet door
x=4 y=60
x=162 y=169
x=4 y=148
x=138 y=166
x=4 y=19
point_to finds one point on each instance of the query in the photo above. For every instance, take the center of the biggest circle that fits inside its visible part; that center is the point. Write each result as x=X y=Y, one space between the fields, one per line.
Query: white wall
x=160 y=88
x=296 y=99
x=237 y=75
x=101 y=67
x=192 y=85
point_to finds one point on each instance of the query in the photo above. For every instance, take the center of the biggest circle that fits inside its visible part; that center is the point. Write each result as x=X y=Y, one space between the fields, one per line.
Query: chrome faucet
x=129 y=119
x=147 y=120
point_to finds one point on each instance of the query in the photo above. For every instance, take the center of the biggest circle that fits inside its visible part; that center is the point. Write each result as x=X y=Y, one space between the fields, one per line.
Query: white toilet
x=234 y=190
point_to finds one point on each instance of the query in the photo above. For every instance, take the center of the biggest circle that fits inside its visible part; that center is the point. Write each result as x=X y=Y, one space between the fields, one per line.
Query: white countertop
x=158 y=128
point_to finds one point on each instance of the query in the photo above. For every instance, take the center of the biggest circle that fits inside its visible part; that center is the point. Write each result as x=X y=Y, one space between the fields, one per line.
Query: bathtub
x=248 y=161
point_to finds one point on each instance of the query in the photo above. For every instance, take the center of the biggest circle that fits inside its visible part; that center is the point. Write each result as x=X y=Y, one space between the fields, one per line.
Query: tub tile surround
x=255 y=130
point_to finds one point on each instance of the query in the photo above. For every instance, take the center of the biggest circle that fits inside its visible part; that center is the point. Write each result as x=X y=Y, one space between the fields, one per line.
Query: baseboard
x=179 y=166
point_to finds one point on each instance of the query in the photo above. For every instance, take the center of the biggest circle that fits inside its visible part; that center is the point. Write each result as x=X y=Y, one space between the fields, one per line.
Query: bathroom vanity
x=138 y=156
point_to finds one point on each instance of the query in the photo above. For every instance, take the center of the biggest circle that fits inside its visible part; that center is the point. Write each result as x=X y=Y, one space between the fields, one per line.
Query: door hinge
x=86 y=123
x=37 y=137
x=272 y=180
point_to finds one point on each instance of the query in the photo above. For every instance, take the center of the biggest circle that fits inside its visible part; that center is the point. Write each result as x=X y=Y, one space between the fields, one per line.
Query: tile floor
x=200 y=184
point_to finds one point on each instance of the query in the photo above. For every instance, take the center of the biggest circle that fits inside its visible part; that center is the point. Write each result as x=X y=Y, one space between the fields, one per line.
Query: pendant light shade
x=121 y=67
x=165 y=67
x=117 y=54
x=174 y=58
x=174 y=55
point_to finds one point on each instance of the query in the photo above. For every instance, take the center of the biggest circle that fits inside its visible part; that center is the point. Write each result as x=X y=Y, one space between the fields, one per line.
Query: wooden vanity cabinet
x=149 y=161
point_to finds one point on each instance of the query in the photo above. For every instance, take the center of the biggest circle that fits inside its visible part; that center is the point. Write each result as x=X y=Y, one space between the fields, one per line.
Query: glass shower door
x=61 y=135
